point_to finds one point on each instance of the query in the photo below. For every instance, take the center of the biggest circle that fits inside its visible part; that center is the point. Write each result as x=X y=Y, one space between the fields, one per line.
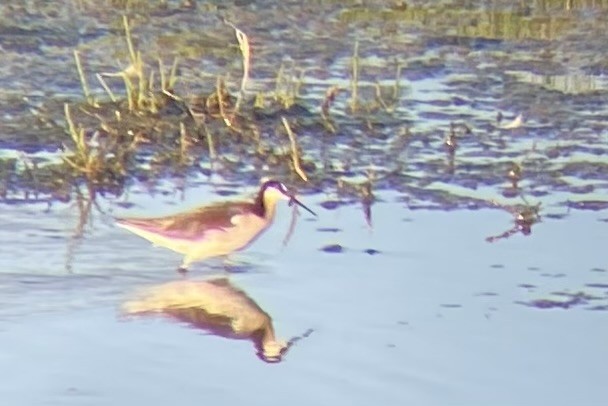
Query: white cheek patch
x=280 y=194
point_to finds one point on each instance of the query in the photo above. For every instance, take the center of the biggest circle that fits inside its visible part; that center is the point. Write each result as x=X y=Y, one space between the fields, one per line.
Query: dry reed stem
x=300 y=81
x=76 y=135
x=210 y=142
x=106 y=87
x=142 y=85
x=83 y=79
x=355 y=79
x=163 y=79
x=173 y=73
x=68 y=118
x=82 y=149
x=397 y=86
x=295 y=156
x=183 y=143
x=279 y=79
x=166 y=85
x=243 y=41
x=136 y=95
x=218 y=89
x=129 y=89
x=380 y=99
x=132 y=55
x=151 y=82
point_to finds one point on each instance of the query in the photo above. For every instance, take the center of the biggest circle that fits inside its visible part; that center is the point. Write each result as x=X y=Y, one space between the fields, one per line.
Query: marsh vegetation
x=455 y=150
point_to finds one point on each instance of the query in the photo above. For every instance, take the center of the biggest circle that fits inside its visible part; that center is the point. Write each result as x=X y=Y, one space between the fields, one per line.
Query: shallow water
x=405 y=303
x=437 y=315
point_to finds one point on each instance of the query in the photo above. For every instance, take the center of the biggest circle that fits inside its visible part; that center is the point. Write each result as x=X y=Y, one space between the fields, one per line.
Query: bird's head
x=273 y=191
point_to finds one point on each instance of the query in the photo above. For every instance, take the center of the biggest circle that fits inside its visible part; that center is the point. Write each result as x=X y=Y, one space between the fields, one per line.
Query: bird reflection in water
x=216 y=306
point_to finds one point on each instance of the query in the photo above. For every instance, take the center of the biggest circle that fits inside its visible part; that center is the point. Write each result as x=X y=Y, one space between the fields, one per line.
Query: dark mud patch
x=567 y=300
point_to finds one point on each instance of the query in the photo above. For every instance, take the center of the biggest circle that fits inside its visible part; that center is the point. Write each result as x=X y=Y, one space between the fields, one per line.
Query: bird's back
x=190 y=225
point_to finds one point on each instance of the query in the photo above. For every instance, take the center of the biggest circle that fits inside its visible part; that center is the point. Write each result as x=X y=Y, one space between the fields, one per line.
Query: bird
x=213 y=230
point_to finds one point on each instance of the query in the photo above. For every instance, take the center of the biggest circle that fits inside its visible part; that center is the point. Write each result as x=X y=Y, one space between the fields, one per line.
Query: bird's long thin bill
x=299 y=203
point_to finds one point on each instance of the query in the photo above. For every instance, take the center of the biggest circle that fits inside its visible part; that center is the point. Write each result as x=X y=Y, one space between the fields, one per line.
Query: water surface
x=473 y=123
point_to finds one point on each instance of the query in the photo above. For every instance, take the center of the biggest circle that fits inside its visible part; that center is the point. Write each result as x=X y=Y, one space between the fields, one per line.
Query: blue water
x=417 y=309
x=437 y=316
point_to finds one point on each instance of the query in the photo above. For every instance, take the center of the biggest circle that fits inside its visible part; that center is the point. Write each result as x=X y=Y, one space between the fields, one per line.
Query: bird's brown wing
x=191 y=225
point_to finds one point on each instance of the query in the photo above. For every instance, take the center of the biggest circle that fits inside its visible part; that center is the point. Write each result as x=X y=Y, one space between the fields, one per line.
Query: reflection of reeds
x=525 y=216
x=85 y=204
x=367 y=197
x=515 y=174
x=328 y=100
x=184 y=144
x=363 y=190
x=30 y=169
